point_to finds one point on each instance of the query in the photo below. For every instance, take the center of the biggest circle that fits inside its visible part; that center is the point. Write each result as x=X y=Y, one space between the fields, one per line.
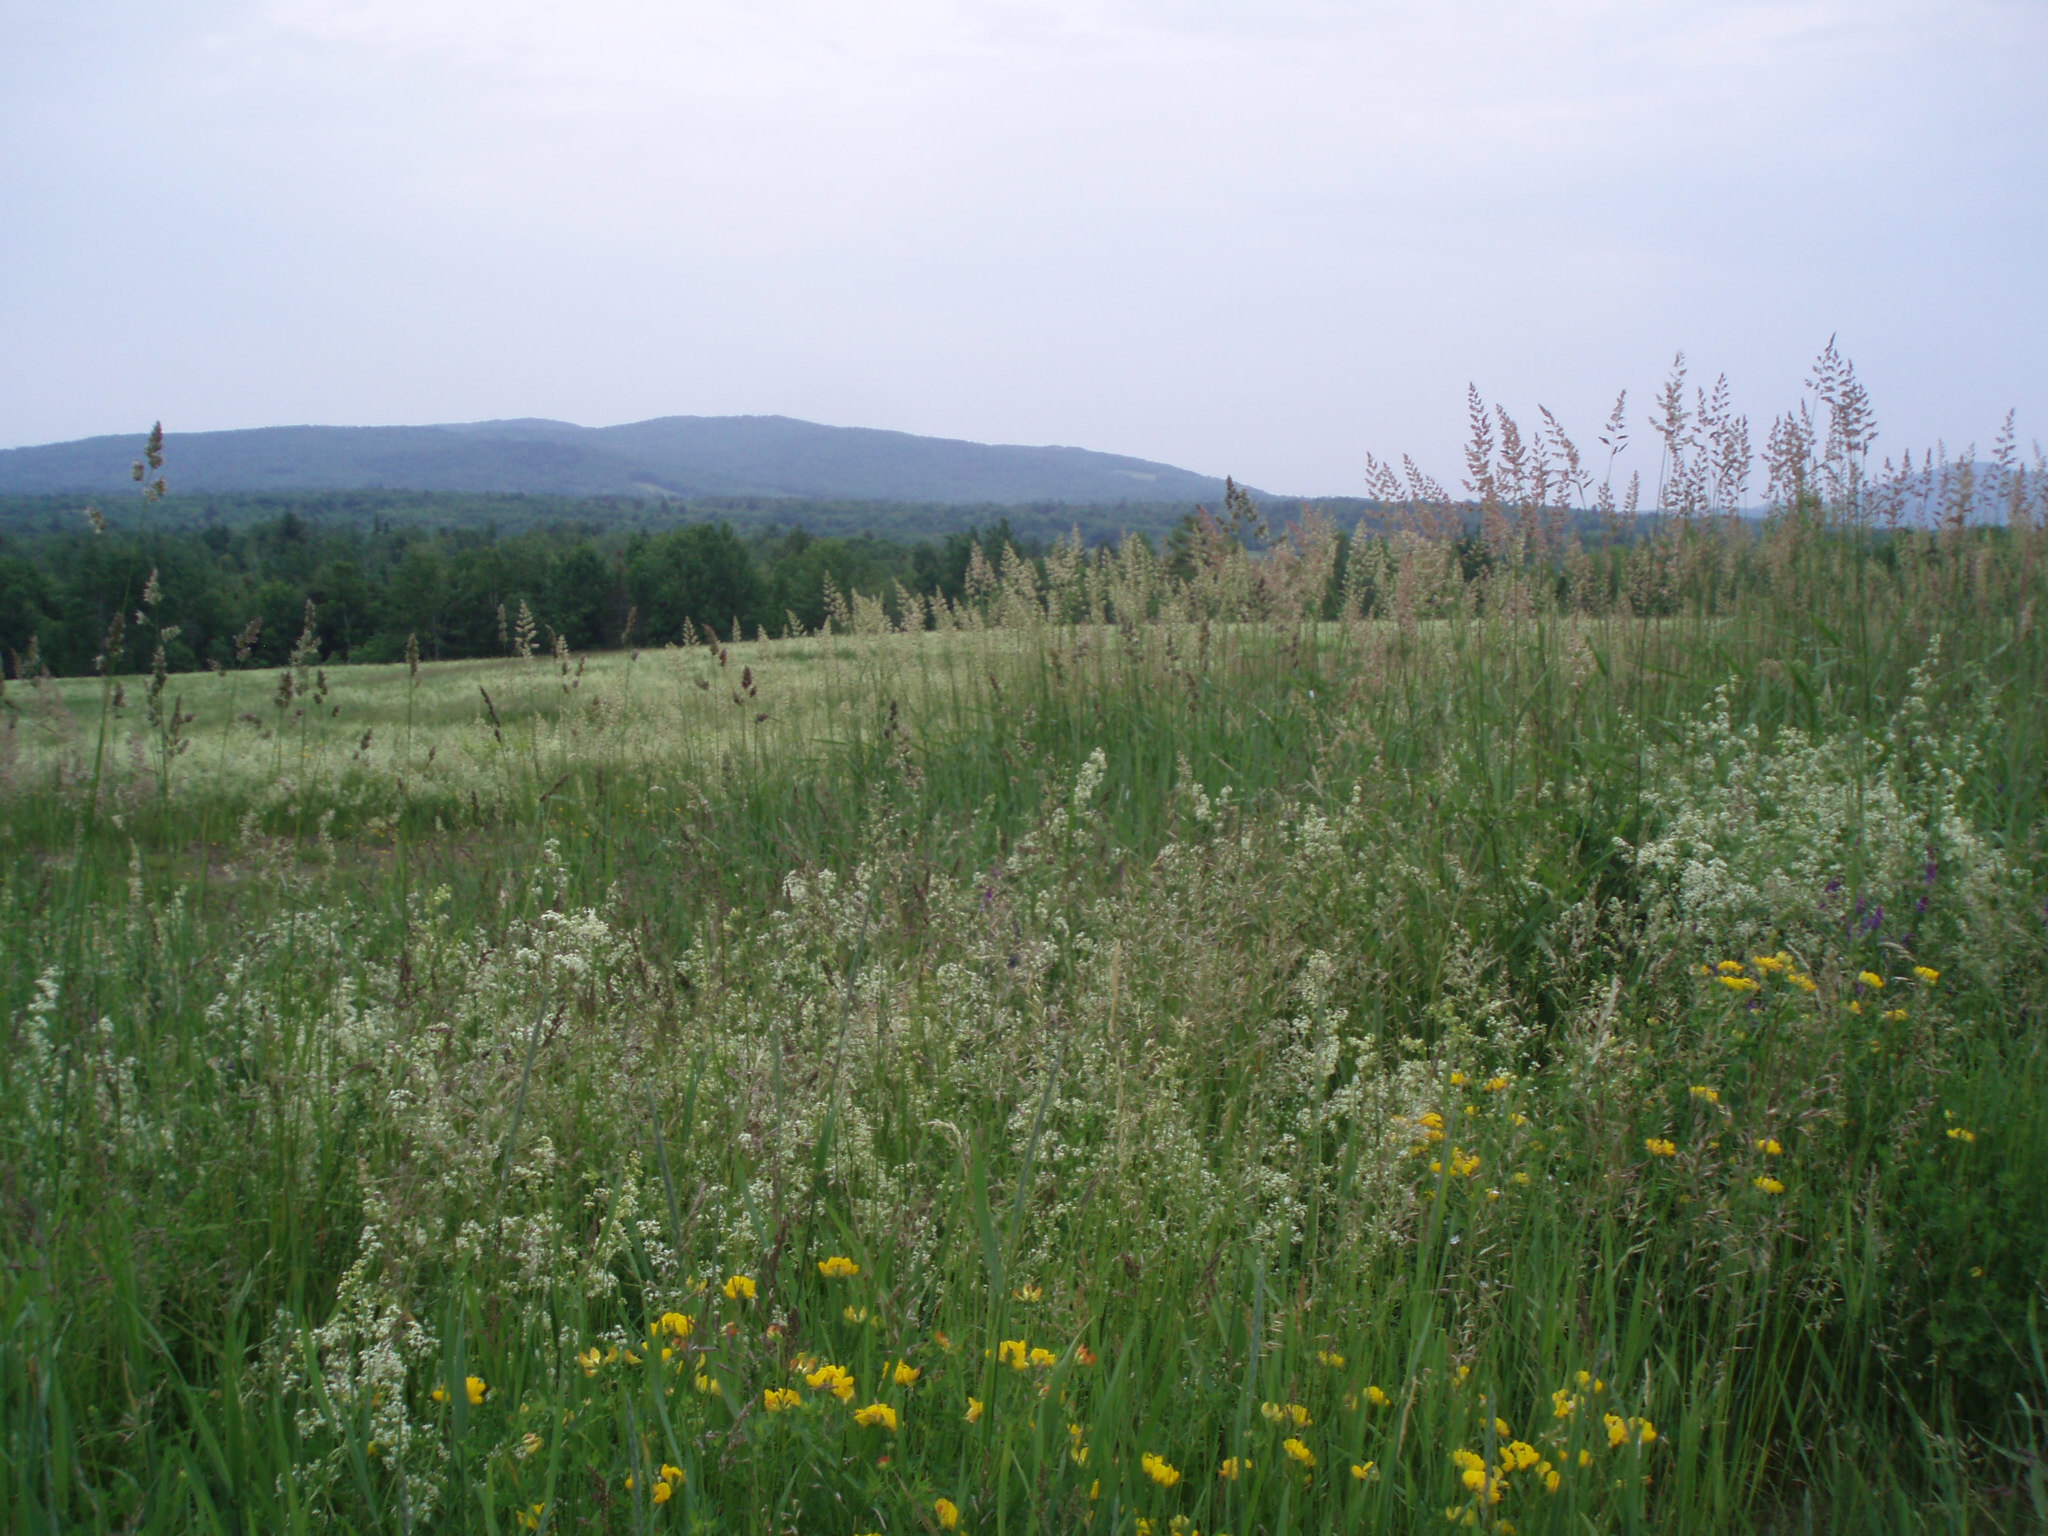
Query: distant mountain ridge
x=668 y=457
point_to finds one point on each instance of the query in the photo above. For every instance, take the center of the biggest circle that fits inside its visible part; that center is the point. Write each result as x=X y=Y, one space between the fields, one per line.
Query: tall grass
x=1275 y=996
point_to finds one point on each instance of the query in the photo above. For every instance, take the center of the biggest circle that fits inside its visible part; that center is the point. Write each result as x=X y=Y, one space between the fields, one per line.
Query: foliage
x=1107 y=1050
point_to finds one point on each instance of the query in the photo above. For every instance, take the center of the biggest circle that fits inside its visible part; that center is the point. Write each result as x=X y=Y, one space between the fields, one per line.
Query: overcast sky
x=1260 y=238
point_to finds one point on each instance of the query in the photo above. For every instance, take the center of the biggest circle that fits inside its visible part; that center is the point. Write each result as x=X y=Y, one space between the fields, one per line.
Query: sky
x=1261 y=238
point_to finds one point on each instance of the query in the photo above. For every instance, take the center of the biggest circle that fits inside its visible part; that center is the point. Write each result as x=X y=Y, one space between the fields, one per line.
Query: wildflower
x=905 y=1375
x=853 y=1314
x=1364 y=1469
x=1770 y=965
x=838 y=1268
x=1042 y=1358
x=1768 y=1185
x=662 y=1493
x=739 y=1288
x=779 y=1399
x=1617 y=1429
x=438 y=1395
x=1457 y=1079
x=1330 y=1358
x=1585 y=1458
x=974 y=1410
x=1495 y=1084
x=1657 y=1146
x=1289 y=1413
x=1730 y=967
x=676 y=1325
x=1083 y=1355
x=834 y=1379
x=1550 y=1475
x=590 y=1359
x=1520 y=1455
x=1232 y=1467
x=671 y=1475
x=528 y=1444
x=948 y=1513
x=1159 y=1469
x=1871 y=980
x=1014 y=1352
x=1297 y=1451
x=707 y=1384
x=1770 y=1146
x=1500 y=1427
x=1029 y=1293
x=1957 y=1133
x=1737 y=984
x=478 y=1390
x=1519 y=1177
x=875 y=1414
x=1377 y=1397
x=1927 y=973
x=1803 y=982
x=1702 y=1091
x=1563 y=1404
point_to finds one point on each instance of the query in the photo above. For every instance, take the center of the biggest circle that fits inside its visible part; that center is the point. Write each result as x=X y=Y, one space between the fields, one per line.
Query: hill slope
x=672 y=456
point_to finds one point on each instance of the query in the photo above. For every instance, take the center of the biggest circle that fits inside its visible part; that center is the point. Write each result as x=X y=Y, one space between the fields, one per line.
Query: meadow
x=1555 y=1048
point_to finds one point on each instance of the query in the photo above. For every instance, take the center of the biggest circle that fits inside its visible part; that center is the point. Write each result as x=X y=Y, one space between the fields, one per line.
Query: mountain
x=670 y=457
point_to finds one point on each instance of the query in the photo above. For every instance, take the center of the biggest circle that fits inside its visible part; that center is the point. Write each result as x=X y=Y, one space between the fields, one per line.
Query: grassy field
x=1140 y=1057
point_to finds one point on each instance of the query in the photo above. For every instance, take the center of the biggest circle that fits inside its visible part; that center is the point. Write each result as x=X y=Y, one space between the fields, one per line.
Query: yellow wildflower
x=438 y=1395
x=671 y=1475
x=707 y=1384
x=590 y=1359
x=1286 y=1413
x=974 y=1410
x=1770 y=965
x=1871 y=980
x=835 y=1379
x=838 y=1267
x=875 y=1414
x=1042 y=1357
x=1730 y=967
x=1495 y=1084
x=777 y=1399
x=1029 y=1293
x=676 y=1325
x=1770 y=1146
x=854 y=1314
x=1014 y=1352
x=1159 y=1469
x=1803 y=982
x=662 y=1493
x=478 y=1390
x=1330 y=1358
x=948 y=1513
x=1768 y=1185
x=1232 y=1467
x=1457 y=1079
x=1737 y=984
x=1957 y=1133
x=1657 y=1146
x=1927 y=973
x=1519 y=1456
x=1297 y=1451
x=904 y=1375
x=1364 y=1469
x=1377 y=1397
x=739 y=1288
x=1702 y=1091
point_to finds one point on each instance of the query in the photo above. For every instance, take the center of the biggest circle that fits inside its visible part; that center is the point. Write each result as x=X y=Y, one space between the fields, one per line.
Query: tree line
x=454 y=592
